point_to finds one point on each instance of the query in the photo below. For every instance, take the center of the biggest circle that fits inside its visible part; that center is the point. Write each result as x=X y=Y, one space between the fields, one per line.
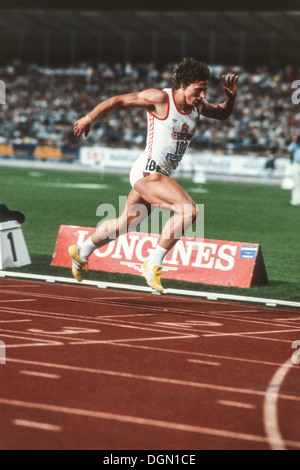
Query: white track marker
x=208 y=363
x=237 y=404
x=37 y=425
x=39 y=374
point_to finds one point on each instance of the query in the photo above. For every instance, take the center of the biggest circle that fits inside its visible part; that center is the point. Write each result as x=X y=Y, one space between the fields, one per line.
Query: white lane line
x=186 y=352
x=221 y=433
x=198 y=361
x=238 y=311
x=19 y=300
x=17 y=336
x=121 y=303
x=13 y=321
x=192 y=325
x=150 y=378
x=34 y=345
x=110 y=322
x=117 y=298
x=139 y=326
x=17 y=286
x=72 y=330
x=237 y=404
x=39 y=374
x=288 y=319
x=246 y=319
x=102 y=317
x=128 y=340
x=37 y=425
x=38 y=336
x=105 y=322
x=144 y=308
x=41 y=342
x=245 y=333
x=270 y=408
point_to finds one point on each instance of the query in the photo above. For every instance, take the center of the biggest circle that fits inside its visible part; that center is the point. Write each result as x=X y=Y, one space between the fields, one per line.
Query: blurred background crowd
x=43 y=104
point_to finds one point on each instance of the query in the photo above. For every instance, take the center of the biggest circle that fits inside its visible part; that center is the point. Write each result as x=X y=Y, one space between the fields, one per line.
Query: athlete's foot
x=78 y=265
x=152 y=276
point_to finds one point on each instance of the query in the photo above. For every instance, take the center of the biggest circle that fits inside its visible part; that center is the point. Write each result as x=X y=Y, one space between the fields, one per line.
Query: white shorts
x=142 y=167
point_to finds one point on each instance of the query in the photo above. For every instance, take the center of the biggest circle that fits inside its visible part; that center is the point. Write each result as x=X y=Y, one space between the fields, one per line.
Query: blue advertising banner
x=42 y=152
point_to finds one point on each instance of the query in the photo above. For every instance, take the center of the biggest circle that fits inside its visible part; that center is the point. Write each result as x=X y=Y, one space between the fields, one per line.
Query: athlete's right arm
x=153 y=100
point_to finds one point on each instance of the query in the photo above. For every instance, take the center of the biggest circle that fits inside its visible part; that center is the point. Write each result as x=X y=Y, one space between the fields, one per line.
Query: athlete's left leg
x=136 y=210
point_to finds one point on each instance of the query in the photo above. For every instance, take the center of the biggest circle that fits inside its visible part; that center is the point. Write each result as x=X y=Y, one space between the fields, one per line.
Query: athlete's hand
x=230 y=85
x=83 y=125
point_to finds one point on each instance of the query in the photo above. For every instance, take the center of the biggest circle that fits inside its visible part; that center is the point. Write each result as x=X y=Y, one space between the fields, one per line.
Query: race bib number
x=179 y=152
x=151 y=165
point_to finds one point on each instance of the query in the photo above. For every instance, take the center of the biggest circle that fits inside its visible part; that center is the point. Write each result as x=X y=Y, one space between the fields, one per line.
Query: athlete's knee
x=188 y=211
x=190 y=214
x=105 y=230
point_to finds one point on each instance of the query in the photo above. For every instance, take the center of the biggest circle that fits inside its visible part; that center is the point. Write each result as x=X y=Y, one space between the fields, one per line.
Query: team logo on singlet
x=183 y=134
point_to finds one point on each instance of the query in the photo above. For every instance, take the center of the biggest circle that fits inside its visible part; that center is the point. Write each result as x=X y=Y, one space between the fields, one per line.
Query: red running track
x=90 y=368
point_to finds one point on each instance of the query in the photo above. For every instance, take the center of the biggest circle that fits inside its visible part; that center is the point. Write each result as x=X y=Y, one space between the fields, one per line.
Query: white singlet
x=167 y=140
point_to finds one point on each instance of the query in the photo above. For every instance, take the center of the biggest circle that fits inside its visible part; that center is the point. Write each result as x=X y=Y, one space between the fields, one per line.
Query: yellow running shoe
x=77 y=263
x=152 y=276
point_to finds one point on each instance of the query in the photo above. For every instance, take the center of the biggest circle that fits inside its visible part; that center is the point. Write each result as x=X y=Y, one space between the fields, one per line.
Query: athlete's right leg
x=162 y=191
x=136 y=210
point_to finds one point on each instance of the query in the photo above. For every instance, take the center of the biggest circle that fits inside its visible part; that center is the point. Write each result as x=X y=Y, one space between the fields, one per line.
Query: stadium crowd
x=42 y=105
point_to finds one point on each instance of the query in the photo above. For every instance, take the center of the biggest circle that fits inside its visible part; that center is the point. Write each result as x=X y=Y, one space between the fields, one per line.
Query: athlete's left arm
x=222 y=111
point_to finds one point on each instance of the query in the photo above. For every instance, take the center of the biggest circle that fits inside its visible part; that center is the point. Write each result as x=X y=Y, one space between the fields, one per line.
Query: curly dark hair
x=190 y=71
